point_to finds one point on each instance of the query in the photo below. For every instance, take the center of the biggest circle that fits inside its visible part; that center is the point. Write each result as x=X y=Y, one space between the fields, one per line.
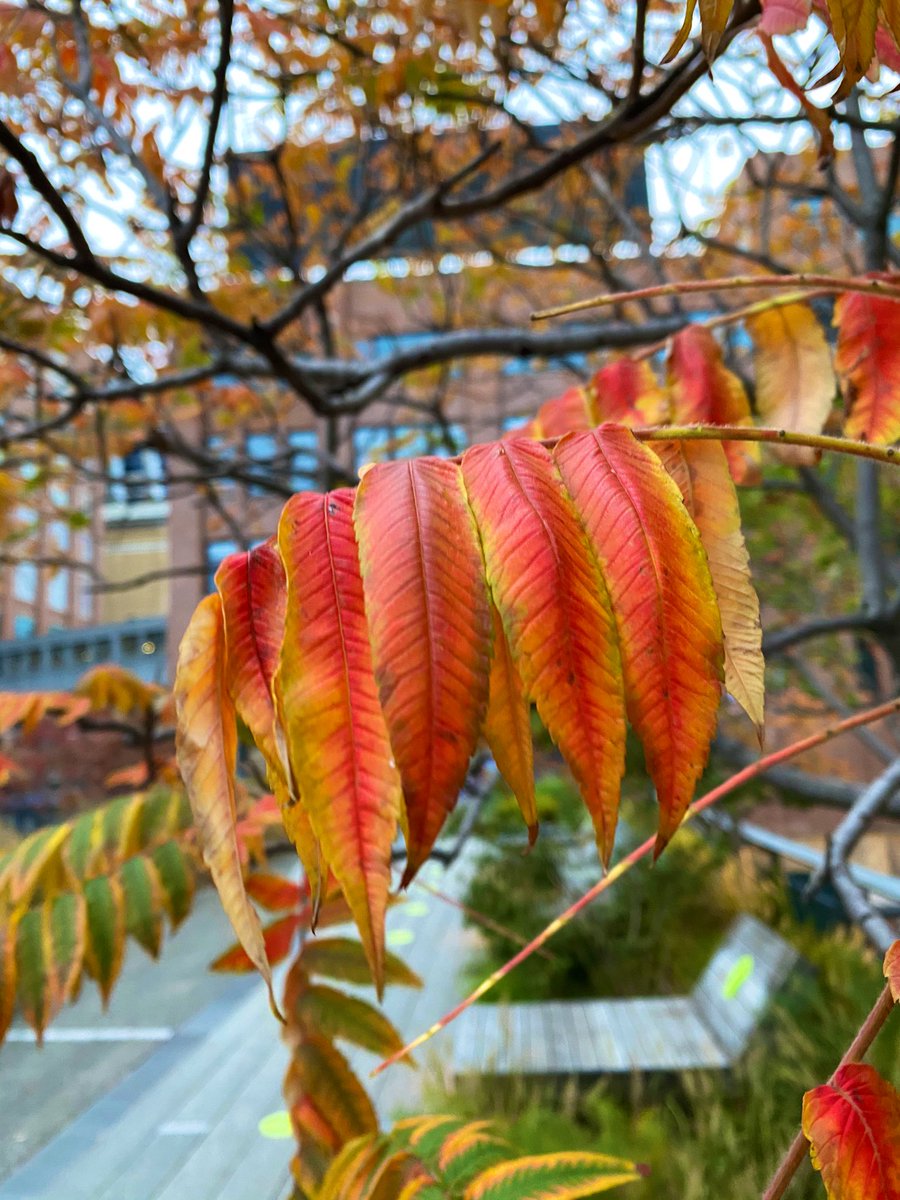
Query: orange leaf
x=817 y=117
x=701 y=471
x=556 y=615
x=868 y=363
x=853 y=1127
x=253 y=591
x=507 y=728
x=206 y=744
x=853 y=24
x=706 y=392
x=252 y=588
x=112 y=687
x=892 y=969
x=128 y=777
x=430 y=627
x=8 y=932
x=318 y=1069
x=274 y=892
x=338 y=744
x=626 y=391
x=662 y=595
x=795 y=383
x=565 y=414
x=278 y=937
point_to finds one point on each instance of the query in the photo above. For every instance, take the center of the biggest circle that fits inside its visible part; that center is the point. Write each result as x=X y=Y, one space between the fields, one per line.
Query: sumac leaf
x=665 y=606
x=868 y=364
x=430 y=629
x=853 y=1127
x=206 y=745
x=338 y=743
x=556 y=615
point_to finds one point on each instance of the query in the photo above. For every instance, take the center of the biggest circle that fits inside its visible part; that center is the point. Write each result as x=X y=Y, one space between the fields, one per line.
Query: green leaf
x=569 y=1175
x=334 y=1014
x=345 y=959
x=144 y=905
x=177 y=878
x=318 y=1069
x=31 y=972
x=105 y=947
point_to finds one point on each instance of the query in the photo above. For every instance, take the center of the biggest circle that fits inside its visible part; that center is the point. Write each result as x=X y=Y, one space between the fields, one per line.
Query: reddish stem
x=770 y=760
x=856 y=1051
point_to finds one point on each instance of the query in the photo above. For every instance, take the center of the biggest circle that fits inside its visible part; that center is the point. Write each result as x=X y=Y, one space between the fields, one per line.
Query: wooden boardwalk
x=708 y=1029
x=185 y=1124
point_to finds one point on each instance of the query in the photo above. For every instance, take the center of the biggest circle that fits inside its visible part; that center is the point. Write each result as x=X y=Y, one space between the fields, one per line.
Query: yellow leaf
x=701 y=471
x=206 y=745
x=795 y=382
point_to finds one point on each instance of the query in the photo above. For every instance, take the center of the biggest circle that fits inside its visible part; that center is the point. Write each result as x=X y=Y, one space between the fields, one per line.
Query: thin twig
x=806 y=281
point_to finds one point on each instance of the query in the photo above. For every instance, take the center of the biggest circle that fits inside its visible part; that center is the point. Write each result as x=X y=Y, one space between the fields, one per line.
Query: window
x=216 y=552
x=261 y=448
x=25 y=583
x=304 y=444
x=61 y=534
x=58 y=591
x=381 y=443
x=23 y=626
x=138 y=477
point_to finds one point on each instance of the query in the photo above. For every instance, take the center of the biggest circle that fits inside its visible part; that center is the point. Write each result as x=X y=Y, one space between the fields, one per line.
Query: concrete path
x=185 y=1123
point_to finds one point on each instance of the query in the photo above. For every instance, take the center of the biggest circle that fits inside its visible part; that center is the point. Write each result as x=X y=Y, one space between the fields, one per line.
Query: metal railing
x=56 y=661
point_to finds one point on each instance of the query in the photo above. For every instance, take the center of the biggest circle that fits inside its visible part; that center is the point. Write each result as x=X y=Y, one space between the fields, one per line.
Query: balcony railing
x=56 y=661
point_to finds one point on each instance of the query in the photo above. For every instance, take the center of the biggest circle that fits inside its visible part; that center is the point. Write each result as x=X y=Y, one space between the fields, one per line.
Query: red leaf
x=784 y=16
x=338 y=743
x=253 y=591
x=430 y=628
x=853 y=1127
x=278 y=937
x=565 y=414
x=555 y=613
x=626 y=391
x=704 y=391
x=507 y=728
x=868 y=363
x=670 y=634
x=274 y=892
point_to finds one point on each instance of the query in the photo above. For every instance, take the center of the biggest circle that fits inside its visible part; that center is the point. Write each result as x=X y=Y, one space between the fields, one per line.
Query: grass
x=629 y=943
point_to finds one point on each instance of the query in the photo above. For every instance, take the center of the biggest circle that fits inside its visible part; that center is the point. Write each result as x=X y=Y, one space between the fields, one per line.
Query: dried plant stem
x=804 y=281
x=783 y=437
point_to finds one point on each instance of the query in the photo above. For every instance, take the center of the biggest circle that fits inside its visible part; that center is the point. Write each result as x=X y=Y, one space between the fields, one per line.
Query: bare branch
x=38 y=179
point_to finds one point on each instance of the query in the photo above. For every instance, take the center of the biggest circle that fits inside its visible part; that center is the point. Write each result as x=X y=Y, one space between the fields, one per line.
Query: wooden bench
x=708 y=1029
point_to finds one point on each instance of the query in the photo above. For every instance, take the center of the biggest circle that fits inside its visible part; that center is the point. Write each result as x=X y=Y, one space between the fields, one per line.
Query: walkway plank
x=709 y=1029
